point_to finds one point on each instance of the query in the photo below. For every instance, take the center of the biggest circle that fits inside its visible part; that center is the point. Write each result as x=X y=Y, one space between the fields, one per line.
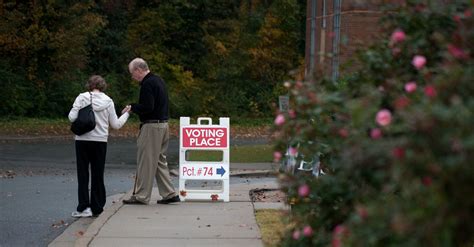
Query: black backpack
x=85 y=121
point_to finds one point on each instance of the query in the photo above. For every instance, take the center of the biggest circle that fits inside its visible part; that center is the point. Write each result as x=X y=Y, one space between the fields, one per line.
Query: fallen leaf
x=59 y=224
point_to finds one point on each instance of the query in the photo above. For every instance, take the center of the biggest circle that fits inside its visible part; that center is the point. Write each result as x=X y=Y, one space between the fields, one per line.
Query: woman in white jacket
x=91 y=147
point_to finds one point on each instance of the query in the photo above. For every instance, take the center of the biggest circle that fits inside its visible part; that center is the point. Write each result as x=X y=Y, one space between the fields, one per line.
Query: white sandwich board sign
x=204 y=137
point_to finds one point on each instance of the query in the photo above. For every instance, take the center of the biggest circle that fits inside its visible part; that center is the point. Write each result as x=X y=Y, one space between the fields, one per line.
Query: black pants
x=93 y=153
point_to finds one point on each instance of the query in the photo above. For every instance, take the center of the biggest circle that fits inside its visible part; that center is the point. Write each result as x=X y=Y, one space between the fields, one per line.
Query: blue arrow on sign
x=221 y=171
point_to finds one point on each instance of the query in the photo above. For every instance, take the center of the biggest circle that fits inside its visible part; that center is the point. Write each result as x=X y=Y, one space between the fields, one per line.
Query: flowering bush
x=395 y=139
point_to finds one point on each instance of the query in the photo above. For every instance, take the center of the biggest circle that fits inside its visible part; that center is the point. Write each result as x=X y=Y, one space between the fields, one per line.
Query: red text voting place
x=204 y=137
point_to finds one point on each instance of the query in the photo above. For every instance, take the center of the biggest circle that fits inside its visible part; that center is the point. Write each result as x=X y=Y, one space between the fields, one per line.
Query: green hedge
x=395 y=139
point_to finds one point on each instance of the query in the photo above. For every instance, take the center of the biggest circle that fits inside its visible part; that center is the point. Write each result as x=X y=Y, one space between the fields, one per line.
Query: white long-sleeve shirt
x=104 y=111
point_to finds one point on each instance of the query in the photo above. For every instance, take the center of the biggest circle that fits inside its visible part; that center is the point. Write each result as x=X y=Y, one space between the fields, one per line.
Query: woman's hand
x=127 y=108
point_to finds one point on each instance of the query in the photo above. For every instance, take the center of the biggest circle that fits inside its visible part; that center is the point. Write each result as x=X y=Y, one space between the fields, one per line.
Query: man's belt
x=154 y=121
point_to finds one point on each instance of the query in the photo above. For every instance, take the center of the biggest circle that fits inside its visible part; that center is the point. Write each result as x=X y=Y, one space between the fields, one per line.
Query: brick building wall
x=332 y=46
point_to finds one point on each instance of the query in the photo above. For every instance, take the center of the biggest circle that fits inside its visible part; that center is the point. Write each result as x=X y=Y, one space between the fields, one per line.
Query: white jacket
x=104 y=111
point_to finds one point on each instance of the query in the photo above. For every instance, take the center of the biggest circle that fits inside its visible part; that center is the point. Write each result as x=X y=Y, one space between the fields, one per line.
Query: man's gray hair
x=138 y=63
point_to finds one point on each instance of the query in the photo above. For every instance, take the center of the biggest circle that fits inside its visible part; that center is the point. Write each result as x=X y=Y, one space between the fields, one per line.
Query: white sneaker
x=86 y=213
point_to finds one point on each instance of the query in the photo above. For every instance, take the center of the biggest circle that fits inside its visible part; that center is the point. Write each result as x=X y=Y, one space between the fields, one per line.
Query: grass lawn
x=240 y=128
x=238 y=154
x=253 y=153
x=272 y=227
x=22 y=126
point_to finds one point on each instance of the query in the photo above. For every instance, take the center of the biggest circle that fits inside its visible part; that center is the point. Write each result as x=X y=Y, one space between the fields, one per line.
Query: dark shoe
x=95 y=214
x=133 y=200
x=169 y=200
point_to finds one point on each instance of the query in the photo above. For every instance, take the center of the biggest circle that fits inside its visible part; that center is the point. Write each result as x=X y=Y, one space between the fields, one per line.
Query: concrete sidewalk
x=184 y=223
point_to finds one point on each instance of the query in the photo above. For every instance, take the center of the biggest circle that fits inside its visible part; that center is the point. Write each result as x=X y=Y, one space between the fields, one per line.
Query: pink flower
x=307 y=231
x=467 y=13
x=279 y=120
x=296 y=234
x=397 y=36
x=410 y=87
x=456 y=145
x=400 y=2
x=337 y=235
x=457 y=18
x=303 y=190
x=384 y=117
x=299 y=84
x=401 y=102
x=420 y=7
x=398 y=152
x=375 y=133
x=293 y=151
x=418 y=61
x=430 y=91
x=362 y=212
x=344 y=133
x=292 y=113
x=427 y=180
x=336 y=242
x=456 y=52
x=396 y=51
x=276 y=156
x=312 y=97
x=339 y=229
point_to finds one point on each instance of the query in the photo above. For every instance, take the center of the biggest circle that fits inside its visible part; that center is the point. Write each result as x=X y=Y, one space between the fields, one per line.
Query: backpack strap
x=91 y=99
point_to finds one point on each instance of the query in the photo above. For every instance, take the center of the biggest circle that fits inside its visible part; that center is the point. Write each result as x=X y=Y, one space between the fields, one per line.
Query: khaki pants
x=152 y=145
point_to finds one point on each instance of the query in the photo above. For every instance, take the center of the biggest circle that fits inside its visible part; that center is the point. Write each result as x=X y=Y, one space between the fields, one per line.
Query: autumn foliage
x=219 y=58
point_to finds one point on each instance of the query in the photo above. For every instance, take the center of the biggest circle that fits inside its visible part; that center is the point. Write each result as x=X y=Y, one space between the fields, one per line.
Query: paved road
x=36 y=206
x=36 y=202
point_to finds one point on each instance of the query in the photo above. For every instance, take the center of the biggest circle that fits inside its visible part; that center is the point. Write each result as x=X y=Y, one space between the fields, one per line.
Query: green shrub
x=395 y=140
